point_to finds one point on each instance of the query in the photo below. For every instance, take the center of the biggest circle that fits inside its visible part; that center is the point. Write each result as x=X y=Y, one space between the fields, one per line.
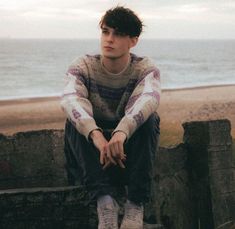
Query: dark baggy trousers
x=82 y=161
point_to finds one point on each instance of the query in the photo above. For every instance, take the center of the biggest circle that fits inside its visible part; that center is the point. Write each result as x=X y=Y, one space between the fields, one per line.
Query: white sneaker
x=133 y=218
x=108 y=215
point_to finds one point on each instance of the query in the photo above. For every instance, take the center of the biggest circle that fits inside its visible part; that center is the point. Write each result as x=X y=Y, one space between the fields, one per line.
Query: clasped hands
x=111 y=152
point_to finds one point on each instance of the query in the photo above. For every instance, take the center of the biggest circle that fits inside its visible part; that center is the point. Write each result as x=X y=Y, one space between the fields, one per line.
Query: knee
x=72 y=134
x=152 y=123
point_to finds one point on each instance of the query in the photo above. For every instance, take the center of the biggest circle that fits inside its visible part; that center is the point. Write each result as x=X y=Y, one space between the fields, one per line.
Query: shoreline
x=53 y=97
x=176 y=107
x=28 y=100
x=198 y=87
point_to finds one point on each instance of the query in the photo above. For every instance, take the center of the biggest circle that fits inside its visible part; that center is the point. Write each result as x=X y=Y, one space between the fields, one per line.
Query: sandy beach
x=177 y=106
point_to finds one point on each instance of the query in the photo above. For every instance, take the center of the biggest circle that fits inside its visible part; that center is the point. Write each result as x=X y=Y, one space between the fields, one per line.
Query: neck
x=116 y=65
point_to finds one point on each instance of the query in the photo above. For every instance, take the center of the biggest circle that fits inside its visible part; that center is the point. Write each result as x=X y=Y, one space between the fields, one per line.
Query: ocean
x=36 y=68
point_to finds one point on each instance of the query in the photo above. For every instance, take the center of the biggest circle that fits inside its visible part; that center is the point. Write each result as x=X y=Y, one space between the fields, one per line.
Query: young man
x=112 y=129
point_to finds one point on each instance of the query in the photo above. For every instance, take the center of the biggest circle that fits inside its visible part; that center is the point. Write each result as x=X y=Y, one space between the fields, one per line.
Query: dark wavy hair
x=123 y=20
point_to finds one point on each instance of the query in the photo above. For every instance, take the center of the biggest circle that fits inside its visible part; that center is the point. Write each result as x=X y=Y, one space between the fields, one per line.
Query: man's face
x=114 y=44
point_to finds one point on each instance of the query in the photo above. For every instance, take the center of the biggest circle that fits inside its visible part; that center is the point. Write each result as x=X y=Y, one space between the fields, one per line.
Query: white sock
x=134 y=204
x=104 y=200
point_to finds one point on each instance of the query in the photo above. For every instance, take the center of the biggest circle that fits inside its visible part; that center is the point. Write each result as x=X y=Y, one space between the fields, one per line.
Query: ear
x=133 y=41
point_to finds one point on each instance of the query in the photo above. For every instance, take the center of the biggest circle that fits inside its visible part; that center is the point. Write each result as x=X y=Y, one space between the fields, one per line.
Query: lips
x=108 y=48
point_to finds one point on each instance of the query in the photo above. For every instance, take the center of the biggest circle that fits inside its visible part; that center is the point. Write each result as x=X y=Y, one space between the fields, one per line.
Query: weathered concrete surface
x=193 y=182
x=212 y=172
x=35 y=208
x=36 y=159
x=174 y=203
x=32 y=159
x=47 y=208
x=44 y=207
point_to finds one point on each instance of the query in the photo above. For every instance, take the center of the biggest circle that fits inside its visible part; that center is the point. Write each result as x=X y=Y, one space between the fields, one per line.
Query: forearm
x=131 y=121
x=143 y=102
x=76 y=105
x=81 y=119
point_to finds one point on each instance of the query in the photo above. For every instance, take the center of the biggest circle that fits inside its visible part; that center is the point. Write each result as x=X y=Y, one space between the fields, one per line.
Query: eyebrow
x=104 y=28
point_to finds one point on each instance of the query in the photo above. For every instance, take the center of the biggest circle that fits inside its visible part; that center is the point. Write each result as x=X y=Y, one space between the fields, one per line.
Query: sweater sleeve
x=143 y=102
x=75 y=102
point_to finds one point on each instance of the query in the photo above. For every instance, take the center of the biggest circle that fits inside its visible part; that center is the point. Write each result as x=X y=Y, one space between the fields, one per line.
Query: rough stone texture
x=193 y=184
x=46 y=208
x=173 y=197
x=31 y=159
x=212 y=172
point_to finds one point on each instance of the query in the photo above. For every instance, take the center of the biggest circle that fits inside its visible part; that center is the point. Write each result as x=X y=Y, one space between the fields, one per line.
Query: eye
x=119 y=34
x=105 y=31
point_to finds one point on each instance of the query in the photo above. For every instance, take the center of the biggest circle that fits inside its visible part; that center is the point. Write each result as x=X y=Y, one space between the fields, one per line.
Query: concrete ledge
x=193 y=186
x=32 y=159
x=46 y=208
x=61 y=207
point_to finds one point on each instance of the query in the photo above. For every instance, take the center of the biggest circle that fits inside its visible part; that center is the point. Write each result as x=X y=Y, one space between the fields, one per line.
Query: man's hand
x=100 y=143
x=115 y=150
x=111 y=152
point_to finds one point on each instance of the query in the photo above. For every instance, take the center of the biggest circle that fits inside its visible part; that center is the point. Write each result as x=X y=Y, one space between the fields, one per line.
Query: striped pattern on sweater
x=91 y=93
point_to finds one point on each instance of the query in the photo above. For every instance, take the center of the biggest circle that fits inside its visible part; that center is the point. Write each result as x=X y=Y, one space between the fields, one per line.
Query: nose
x=110 y=37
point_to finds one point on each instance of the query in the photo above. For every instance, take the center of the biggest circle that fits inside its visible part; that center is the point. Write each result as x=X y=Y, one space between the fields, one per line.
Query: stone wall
x=32 y=159
x=212 y=172
x=46 y=208
x=194 y=182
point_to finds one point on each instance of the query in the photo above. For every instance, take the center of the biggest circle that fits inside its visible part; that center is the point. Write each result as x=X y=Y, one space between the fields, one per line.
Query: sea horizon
x=58 y=95
x=91 y=38
x=35 y=67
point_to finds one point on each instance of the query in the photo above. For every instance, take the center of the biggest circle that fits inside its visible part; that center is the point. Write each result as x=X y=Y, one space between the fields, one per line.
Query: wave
x=58 y=95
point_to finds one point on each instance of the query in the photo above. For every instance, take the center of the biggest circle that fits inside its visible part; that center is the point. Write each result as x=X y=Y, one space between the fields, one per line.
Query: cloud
x=192 y=8
x=161 y=14
x=61 y=14
x=196 y=12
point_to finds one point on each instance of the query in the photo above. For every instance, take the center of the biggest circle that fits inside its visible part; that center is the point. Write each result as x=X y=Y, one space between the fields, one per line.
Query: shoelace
x=108 y=215
x=133 y=212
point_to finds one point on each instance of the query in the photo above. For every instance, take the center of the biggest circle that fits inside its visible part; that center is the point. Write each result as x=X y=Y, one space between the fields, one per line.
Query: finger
x=110 y=156
x=116 y=147
x=107 y=164
x=121 y=155
x=116 y=150
x=121 y=151
x=102 y=158
x=124 y=157
x=120 y=163
x=113 y=150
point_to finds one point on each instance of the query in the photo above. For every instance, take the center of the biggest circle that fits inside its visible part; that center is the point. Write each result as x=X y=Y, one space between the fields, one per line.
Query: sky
x=78 y=19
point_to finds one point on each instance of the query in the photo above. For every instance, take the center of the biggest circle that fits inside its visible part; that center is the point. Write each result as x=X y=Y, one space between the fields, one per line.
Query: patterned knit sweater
x=92 y=93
